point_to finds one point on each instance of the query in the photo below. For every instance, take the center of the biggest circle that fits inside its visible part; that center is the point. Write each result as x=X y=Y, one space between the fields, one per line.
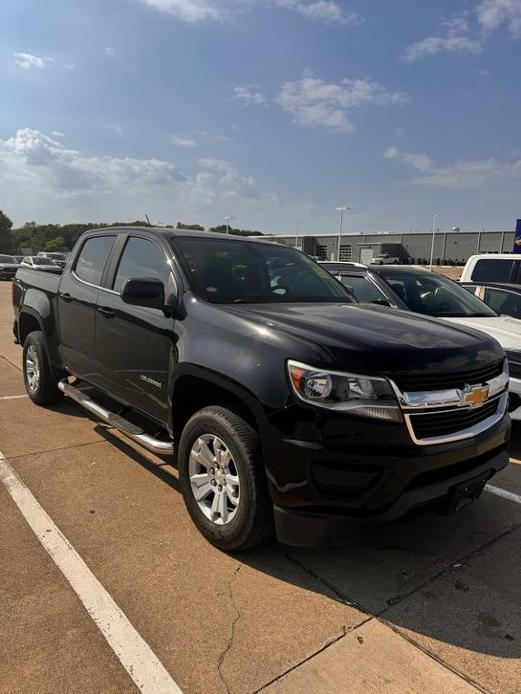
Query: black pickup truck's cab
x=279 y=391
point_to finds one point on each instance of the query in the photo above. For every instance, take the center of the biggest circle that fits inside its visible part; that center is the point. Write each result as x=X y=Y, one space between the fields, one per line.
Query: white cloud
x=467 y=32
x=493 y=14
x=455 y=38
x=192 y=11
x=109 y=51
x=182 y=141
x=249 y=95
x=27 y=61
x=69 y=66
x=462 y=174
x=419 y=161
x=316 y=103
x=57 y=133
x=42 y=178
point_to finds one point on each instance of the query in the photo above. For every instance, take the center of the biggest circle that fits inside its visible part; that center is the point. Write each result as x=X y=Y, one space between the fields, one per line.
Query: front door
x=134 y=343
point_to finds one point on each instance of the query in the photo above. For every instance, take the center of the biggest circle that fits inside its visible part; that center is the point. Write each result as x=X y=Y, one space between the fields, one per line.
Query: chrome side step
x=131 y=430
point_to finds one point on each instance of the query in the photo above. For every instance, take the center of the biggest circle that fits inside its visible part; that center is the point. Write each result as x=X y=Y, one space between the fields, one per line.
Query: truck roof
x=175 y=233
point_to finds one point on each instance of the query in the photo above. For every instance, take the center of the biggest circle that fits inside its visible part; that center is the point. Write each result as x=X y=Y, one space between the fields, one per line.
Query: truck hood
x=507 y=331
x=373 y=339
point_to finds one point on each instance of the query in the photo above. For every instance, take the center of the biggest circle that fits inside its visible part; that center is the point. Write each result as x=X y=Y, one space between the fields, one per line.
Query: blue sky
x=271 y=111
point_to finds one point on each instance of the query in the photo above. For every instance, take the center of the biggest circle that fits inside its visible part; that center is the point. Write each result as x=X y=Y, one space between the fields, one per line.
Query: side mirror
x=149 y=293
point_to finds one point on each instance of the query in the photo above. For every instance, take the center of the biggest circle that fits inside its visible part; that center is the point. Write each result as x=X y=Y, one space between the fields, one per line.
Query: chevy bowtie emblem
x=475 y=396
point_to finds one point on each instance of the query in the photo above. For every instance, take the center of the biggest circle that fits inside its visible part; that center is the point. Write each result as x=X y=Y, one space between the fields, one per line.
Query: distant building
x=450 y=247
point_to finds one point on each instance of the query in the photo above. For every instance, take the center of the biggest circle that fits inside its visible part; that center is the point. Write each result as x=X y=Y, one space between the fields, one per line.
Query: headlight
x=366 y=396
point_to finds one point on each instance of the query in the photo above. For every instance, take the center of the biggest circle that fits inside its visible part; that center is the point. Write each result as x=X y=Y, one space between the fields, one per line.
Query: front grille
x=446 y=381
x=430 y=425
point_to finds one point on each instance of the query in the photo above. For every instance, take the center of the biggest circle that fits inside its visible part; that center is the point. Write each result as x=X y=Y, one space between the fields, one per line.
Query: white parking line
x=13 y=397
x=136 y=656
x=503 y=492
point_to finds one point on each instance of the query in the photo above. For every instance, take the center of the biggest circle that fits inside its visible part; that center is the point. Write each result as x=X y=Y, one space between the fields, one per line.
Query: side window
x=492 y=270
x=504 y=303
x=92 y=258
x=141 y=259
x=362 y=287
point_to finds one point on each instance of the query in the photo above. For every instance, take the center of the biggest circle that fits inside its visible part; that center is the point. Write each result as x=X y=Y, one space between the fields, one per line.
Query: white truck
x=385 y=259
x=504 y=268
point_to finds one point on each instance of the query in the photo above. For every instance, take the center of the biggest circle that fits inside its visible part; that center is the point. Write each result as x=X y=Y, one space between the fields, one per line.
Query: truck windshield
x=435 y=295
x=227 y=272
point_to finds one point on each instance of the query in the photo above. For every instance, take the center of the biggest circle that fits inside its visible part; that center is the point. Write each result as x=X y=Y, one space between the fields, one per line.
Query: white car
x=36 y=262
x=385 y=259
x=502 y=268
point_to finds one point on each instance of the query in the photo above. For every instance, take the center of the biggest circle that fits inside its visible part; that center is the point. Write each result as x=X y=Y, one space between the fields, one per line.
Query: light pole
x=434 y=223
x=297 y=227
x=228 y=220
x=341 y=211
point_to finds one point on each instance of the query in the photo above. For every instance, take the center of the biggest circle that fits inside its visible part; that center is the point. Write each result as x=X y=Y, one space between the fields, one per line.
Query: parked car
x=385 y=259
x=287 y=402
x=504 y=299
x=429 y=293
x=8 y=267
x=18 y=258
x=59 y=258
x=35 y=262
x=504 y=268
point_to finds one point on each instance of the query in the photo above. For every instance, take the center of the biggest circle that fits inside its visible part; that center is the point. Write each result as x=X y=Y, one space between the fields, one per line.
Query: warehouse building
x=450 y=247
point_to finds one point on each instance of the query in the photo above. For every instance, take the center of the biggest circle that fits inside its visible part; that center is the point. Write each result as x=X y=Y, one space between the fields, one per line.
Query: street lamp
x=228 y=220
x=341 y=211
x=297 y=227
x=434 y=224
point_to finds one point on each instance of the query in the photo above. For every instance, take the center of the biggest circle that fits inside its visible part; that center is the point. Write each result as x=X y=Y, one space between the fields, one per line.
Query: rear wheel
x=222 y=479
x=40 y=384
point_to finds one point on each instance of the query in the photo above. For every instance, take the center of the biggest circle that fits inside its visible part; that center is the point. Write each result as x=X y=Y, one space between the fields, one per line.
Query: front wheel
x=40 y=384
x=222 y=479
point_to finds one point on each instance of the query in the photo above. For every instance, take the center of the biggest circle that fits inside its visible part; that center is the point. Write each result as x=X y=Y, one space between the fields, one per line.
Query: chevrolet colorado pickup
x=290 y=405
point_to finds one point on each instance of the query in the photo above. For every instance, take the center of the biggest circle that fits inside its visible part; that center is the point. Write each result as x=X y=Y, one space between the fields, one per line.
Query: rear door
x=134 y=343
x=77 y=304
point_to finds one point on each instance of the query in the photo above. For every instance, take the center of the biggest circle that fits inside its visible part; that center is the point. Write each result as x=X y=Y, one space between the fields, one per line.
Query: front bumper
x=311 y=529
x=327 y=473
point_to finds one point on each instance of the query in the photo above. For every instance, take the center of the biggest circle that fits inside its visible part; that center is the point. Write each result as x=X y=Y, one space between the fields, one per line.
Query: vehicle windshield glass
x=7 y=259
x=435 y=295
x=228 y=272
x=57 y=256
x=43 y=261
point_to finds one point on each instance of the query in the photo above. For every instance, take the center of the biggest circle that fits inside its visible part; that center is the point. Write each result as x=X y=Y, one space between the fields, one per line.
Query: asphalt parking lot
x=432 y=604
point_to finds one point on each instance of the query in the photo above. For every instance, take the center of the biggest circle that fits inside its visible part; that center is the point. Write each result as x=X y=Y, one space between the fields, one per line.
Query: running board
x=131 y=430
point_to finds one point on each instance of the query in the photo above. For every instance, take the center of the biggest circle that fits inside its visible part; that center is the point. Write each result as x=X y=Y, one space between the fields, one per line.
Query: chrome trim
x=147 y=441
x=90 y=284
x=464 y=433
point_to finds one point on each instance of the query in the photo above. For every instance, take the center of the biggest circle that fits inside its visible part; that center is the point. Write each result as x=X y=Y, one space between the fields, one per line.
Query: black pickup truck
x=290 y=406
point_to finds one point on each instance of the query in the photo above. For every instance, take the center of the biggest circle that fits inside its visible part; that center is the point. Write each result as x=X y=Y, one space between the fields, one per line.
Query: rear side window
x=362 y=287
x=141 y=259
x=492 y=270
x=92 y=258
x=503 y=302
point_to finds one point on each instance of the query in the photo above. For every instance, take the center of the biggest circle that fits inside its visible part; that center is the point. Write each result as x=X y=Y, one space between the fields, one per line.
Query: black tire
x=253 y=519
x=45 y=391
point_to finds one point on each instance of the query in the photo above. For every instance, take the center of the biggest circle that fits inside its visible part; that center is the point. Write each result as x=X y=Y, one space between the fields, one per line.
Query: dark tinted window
x=7 y=259
x=248 y=272
x=503 y=302
x=141 y=259
x=92 y=258
x=492 y=270
x=435 y=295
x=362 y=287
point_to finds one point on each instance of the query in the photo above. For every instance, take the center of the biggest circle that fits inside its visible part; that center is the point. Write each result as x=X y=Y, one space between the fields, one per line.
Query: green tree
x=55 y=245
x=196 y=227
x=5 y=233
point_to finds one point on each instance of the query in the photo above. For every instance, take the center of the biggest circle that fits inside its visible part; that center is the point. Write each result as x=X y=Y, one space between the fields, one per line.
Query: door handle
x=106 y=312
x=66 y=297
